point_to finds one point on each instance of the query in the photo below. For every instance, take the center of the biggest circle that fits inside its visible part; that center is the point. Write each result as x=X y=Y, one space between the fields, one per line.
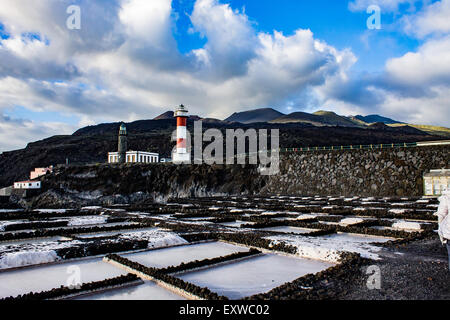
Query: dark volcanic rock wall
x=390 y=172
x=118 y=184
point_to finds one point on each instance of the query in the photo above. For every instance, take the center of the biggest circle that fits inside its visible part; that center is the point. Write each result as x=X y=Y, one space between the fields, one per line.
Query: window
x=428 y=187
x=436 y=187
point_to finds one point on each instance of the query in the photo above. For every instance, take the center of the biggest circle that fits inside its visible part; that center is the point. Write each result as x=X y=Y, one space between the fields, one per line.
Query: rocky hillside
x=76 y=186
x=390 y=172
x=91 y=144
x=319 y=118
x=254 y=116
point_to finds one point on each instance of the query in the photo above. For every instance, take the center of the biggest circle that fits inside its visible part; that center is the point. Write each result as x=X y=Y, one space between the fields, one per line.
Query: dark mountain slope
x=380 y=126
x=253 y=116
x=373 y=118
x=331 y=118
x=298 y=117
x=165 y=116
x=170 y=114
x=320 y=118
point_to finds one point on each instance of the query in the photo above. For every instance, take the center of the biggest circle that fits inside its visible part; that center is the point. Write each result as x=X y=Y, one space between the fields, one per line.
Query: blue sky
x=135 y=59
x=331 y=21
x=3 y=33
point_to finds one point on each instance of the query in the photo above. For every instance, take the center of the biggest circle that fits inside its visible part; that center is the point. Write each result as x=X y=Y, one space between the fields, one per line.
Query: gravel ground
x=416 y=271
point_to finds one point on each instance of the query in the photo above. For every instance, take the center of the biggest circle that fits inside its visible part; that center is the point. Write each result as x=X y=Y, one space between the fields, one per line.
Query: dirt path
x=417 y=271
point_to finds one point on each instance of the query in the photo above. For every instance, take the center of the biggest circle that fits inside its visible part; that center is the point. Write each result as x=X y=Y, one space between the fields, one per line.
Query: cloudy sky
x=134 y=59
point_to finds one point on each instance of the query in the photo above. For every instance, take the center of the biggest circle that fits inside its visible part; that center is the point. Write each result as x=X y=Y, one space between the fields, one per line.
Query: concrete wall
x=390 y=172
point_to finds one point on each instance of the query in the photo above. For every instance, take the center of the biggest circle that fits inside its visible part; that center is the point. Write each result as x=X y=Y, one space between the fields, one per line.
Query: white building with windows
x=436 y=182
x=135 y=157
x=28 y=185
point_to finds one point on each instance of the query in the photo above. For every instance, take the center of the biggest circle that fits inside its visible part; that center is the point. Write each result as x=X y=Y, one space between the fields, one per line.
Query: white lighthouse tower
x=181 y=154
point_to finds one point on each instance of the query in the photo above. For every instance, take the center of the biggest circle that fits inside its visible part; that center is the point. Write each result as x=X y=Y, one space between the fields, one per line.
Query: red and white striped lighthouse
x=181 y=154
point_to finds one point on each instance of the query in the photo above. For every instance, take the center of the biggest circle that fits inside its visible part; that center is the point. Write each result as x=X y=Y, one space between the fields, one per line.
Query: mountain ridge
x=319 y=118
x=254 y=116
x=374 y=118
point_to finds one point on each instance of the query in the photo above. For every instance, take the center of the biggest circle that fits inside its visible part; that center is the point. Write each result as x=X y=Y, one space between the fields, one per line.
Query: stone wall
x=390 y=172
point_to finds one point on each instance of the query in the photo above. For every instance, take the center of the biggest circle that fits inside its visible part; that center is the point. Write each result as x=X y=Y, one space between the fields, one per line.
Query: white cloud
x=288 y=66
x=16 y=133
x=22 y=57
x=99 y=29
x=414 y=88
x=231 y=38
x=431 y=110
x=148 y=33
x=417 y=85
x=147 y=21
x=124 y=64
x=434 y=19
x=430 y=65
x=237 y=68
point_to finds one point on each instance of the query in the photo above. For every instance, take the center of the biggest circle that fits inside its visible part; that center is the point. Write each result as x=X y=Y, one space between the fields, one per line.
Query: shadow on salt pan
x=146 y=291
x=235 y=224
x=32 y=241
x=52 y=210
x=43 y=278
x=112 y=233
x=356 y=238
x=285 y=229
